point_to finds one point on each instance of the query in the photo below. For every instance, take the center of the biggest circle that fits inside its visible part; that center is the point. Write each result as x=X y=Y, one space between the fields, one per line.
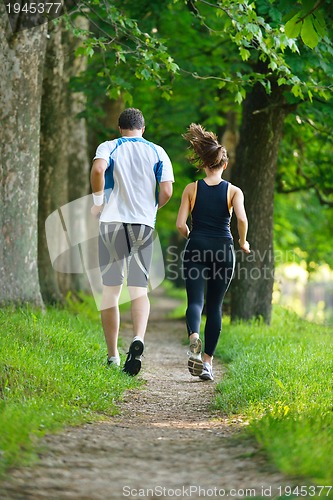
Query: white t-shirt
x=135 y=168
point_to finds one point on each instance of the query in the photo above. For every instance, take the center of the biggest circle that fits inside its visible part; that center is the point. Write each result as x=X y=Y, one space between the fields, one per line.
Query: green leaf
x=80 y=51
x=297 y=91
x=272 y=65
x=239 y=37
x=319 y=23
x=166 y=95
x=252 y=28
x=238 y=97
x=309 y=36
x=293 y=27
x=244 y=53
x=267 y=86
x=90 y=51
x=145 y=73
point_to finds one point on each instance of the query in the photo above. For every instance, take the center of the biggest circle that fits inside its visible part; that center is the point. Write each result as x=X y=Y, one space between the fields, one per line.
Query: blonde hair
x=207 y=152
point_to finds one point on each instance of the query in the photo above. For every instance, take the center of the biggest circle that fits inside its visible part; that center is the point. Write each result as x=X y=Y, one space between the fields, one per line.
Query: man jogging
x=131 y=178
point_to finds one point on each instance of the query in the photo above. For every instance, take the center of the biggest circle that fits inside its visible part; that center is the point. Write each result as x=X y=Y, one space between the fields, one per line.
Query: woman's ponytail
x=207 y=152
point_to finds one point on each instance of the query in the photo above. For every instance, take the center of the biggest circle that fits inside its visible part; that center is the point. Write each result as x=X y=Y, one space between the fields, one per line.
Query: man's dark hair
x=131 y=119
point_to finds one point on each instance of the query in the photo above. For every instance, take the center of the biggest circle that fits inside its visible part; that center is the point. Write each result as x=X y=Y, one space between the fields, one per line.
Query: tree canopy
x=217 y=52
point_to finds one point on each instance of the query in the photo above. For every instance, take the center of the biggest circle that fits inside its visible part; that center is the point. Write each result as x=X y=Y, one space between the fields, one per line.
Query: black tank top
x=210 y=214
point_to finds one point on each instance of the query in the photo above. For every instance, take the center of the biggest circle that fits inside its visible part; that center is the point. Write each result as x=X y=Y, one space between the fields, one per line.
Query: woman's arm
x=242 y=225
x=184 y=210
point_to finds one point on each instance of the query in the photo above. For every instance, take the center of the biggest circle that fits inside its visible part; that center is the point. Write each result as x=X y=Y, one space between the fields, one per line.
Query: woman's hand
x=245 y=246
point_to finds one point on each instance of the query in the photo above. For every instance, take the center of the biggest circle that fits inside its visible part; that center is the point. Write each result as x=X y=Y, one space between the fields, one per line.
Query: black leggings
x=208 y=266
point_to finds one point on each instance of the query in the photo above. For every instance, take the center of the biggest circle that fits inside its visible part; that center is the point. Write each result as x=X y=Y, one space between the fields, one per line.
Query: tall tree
x=21 y=63
x=263 y=117
x=64 y=165
x=256 y=161
x=78 y=153
x=53 y=183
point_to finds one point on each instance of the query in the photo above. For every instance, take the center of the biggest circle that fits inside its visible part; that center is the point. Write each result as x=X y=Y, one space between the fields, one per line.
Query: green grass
x=52 y=373
x=279 y=378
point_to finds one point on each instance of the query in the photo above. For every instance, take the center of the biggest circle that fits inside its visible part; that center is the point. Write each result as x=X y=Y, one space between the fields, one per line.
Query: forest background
x=259 y=74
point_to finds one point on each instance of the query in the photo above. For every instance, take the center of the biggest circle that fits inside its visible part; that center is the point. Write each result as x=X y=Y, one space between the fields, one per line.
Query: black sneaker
x=133 y=361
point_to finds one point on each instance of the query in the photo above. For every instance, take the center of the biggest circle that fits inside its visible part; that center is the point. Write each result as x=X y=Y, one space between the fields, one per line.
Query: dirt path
x=166 y=442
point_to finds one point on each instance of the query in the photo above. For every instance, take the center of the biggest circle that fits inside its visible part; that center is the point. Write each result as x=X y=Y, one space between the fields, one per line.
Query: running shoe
x=133 y=361
x=207 y=372
x=113 y=361
x=194 y=362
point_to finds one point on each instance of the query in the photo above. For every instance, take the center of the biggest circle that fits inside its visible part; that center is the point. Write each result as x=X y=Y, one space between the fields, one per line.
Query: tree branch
x=295 y=189
x=208 y=77
x=322 y=200
x=319 y=4
x=320 y=196
x=217 y=7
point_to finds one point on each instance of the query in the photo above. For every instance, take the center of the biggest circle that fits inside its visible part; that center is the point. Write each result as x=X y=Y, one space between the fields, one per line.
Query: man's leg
x=140 y=245
x=110 y=318
x=140 y=308
x=112 y=251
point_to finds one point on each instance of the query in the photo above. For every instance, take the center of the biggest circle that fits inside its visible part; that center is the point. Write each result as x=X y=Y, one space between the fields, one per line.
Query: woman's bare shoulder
x=190 y=188
x=234 y=189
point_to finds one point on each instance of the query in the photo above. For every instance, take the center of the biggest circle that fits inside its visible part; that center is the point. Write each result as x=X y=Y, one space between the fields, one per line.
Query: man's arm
x=97 y=182
x=165 y=193
x=97 y=175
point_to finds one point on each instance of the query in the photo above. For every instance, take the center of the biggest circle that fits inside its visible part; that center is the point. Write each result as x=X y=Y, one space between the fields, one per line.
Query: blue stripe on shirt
x=109 y=179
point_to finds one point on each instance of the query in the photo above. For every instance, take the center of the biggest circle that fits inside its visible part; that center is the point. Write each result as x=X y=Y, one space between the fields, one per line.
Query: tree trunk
x=254 y=172
x=64 y=168
x=53 y=186
x=21 y=63
x=230 y=140
x=78 y=154
x=108 y=122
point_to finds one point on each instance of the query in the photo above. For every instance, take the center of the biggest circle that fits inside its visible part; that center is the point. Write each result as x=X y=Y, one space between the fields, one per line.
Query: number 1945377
x=33 y=8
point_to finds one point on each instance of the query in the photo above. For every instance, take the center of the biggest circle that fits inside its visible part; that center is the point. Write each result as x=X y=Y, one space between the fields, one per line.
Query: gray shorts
x=123 y=245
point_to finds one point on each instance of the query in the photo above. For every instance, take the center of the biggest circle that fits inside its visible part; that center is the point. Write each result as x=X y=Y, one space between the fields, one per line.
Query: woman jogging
x=209 y=258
